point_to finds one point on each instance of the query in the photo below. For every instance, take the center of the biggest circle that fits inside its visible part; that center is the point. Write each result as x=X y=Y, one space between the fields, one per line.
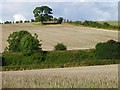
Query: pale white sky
x=96 y=10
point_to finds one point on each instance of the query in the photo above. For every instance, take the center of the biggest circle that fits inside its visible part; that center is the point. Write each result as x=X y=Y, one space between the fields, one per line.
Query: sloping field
x=73 y=36
x=74 y=77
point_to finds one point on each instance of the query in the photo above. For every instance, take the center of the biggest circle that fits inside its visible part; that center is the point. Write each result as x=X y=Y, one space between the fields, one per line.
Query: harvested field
x=75 y=77
x=74 y=37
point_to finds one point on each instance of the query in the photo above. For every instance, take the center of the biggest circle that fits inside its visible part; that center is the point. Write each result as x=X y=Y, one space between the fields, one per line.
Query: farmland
x=74 y=77
x=74 y=37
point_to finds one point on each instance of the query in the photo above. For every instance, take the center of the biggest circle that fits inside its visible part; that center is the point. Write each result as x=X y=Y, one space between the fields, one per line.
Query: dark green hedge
x=108 y=50
x=54 y=59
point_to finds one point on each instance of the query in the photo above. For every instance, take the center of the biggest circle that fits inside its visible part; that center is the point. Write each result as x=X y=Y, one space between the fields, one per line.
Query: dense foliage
x=60 y=46
x=7 y=22
x=14 y=41
x=29 y=44
x=54 y=59
x=20 y=59
x=108 y=50
x=42 y=13
x=105 y=25
x=23 y=41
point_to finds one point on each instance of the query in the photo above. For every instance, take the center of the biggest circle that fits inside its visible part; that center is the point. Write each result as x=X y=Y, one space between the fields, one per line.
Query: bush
x=60 y=20
x=32 y=20
x=29 y=45
x=19 y=59
x=108 y=50
x=23 y=41
x=60 y=46
x=21 y=21
x=17 y=22
x=14 y=41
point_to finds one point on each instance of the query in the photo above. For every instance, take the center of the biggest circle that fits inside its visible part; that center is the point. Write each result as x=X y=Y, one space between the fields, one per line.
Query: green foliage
x=42 y=13
x=60 y=46
x=32 y=20
x=108 y=50
x=17 y=22
x=104 y=25
x=56 y=59
x=21 y=21
x=23 y=41
x=20 y=59
x=7 y=22
x=29 y=44
x=60 y=20
x=14 y=41
x=26 y=21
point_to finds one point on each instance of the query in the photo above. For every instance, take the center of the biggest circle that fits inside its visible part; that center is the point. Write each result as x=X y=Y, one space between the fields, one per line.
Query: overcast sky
x=104 y=10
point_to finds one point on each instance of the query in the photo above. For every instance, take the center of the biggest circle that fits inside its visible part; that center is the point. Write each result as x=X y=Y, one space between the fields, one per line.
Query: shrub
x=108 y=50
x=14 y=41
x=32 y=20
x=60 y=20
x=20 y=59
x=21 y=21
x=60 y=46
x=17 y=22
x=23 y=41
x=29 y=44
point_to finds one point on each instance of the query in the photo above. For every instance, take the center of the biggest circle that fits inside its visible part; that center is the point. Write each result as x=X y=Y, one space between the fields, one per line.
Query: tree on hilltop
x=42 y=13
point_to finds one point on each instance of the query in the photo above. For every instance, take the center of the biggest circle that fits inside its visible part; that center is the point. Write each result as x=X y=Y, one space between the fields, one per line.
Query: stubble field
x=76 y=77
x=74 y=37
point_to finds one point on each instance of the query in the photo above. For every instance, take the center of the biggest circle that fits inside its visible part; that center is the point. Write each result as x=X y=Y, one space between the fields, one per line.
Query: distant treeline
x=104 y=25
x=54 y=20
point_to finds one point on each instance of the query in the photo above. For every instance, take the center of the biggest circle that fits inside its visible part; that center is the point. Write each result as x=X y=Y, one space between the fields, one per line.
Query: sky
x=77 y=10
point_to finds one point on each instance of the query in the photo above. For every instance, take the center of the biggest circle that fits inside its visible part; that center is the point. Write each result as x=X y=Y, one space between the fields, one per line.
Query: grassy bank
x=56 y=59
x=98 y=24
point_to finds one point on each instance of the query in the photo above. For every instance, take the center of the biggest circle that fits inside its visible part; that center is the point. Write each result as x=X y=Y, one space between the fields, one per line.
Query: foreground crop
x=78 y=77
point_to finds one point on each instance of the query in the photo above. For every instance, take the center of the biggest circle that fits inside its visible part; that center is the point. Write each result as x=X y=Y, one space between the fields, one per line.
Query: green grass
x=54 y=60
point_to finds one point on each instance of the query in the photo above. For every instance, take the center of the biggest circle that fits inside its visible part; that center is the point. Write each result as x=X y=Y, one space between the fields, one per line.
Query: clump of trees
x=23 y=41
x=108 y=50
x=60 y=46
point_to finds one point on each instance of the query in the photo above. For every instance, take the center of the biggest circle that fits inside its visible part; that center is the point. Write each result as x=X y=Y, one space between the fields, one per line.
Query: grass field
x=77 y=77
x=74 y=37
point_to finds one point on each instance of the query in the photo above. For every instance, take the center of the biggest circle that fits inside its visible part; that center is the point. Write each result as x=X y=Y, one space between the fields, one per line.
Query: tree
x=42 y=13
x=30 y=44
x=14 y=41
